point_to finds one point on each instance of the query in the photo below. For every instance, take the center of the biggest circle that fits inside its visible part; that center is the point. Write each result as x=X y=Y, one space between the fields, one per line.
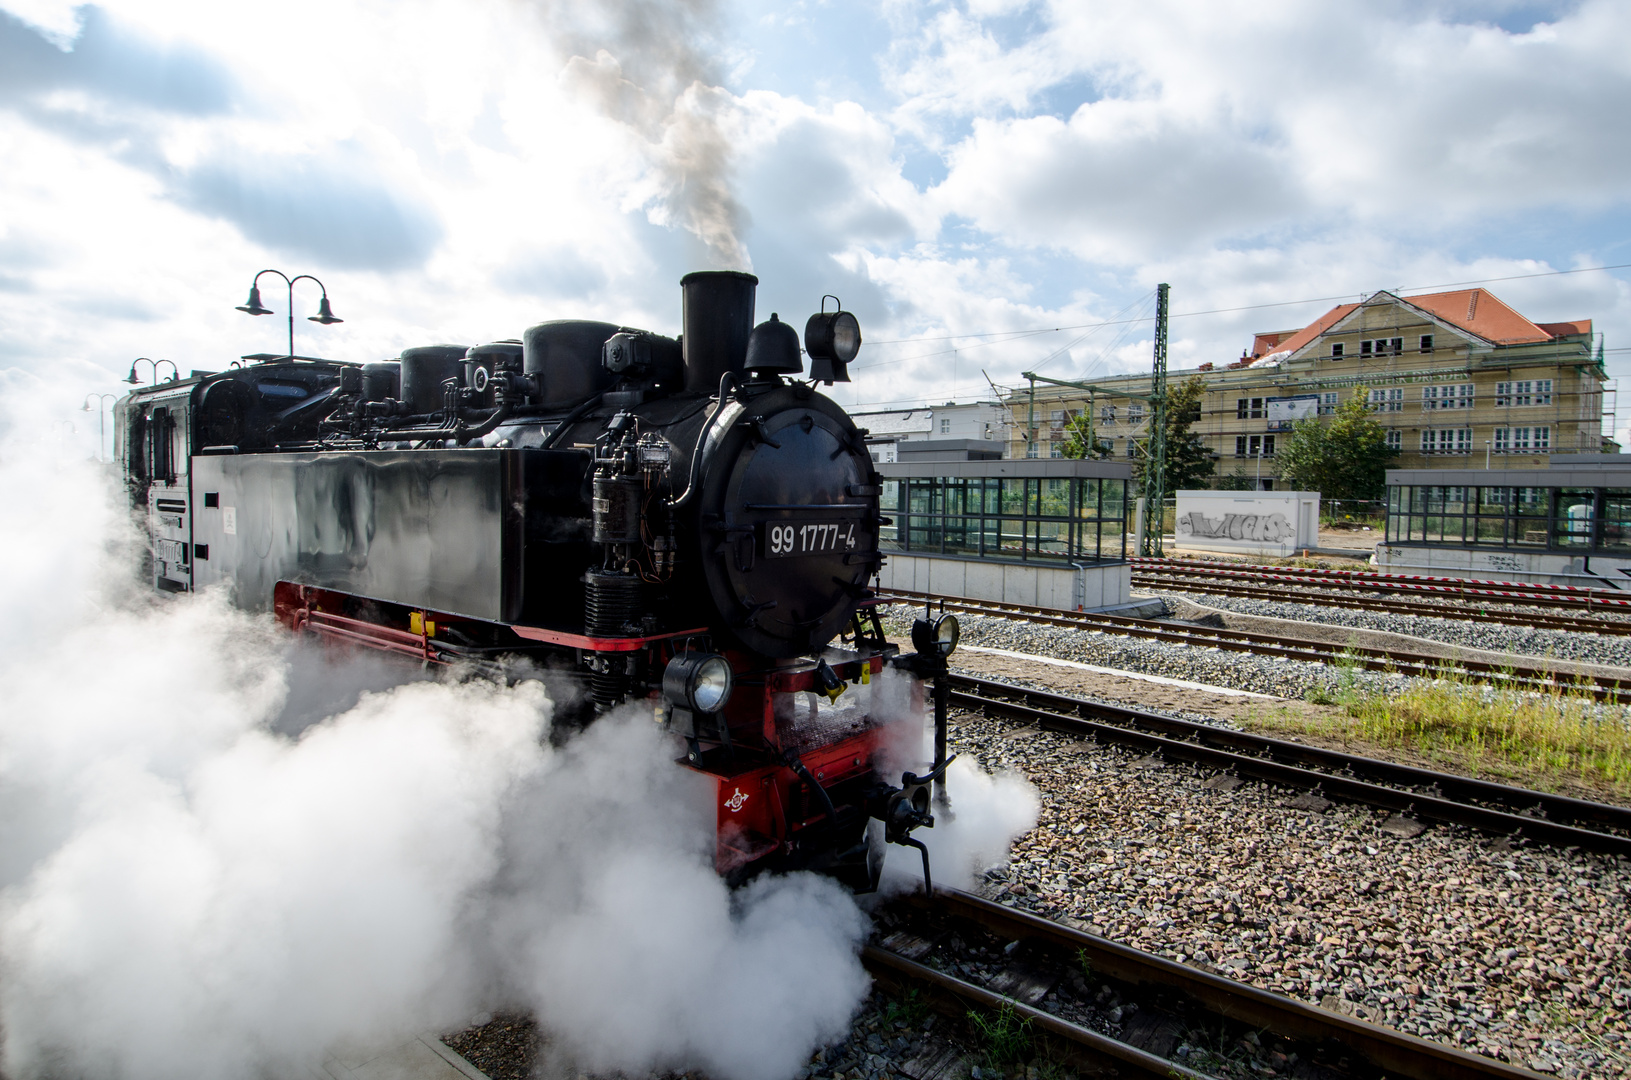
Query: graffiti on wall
x=1263 y=528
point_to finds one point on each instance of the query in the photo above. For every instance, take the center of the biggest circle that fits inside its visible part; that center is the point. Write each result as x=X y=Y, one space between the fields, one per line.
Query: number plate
x=784 y=538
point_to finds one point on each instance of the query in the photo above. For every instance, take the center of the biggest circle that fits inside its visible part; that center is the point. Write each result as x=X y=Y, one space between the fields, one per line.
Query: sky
x=992 y=186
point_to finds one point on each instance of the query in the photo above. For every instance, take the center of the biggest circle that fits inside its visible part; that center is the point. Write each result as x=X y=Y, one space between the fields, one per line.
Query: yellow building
x=1457 y=378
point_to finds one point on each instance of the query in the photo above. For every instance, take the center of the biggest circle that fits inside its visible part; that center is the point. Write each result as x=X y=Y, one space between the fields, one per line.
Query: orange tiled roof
x=1477 y=311
x=1314 y=329
x=1265 y=343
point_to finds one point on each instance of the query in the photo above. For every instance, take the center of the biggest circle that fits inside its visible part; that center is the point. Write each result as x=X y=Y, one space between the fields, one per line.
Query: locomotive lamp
x=699 y=681
x=937 y=638
x=253 y=306
x=832 y=338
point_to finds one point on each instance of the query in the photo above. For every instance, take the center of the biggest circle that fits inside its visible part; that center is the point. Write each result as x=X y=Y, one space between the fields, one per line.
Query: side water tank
x=424 y=369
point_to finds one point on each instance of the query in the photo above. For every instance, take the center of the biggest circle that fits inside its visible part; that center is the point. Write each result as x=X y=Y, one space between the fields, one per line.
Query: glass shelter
x=1033 y=512
x=1581 y=505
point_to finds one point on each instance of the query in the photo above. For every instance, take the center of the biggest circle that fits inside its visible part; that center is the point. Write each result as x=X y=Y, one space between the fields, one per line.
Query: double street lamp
x=253 y=306
x=101 y=417
x=134 y=380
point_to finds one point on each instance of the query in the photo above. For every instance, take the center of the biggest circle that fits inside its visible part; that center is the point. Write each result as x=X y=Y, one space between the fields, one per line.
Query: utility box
x=1248 y=522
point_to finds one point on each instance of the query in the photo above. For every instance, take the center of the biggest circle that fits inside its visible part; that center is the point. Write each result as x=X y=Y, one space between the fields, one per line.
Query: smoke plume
x=647 y=65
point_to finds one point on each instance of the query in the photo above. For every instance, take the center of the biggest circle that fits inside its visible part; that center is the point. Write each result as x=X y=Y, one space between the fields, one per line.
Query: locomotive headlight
x=833 y=335
x=700 y=681
x=936 y=638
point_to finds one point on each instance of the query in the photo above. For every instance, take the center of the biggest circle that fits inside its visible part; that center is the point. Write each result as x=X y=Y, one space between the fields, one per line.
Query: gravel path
x=1521 y=954
x=1613 y=650
x=1239 y=671
x=1179 y=607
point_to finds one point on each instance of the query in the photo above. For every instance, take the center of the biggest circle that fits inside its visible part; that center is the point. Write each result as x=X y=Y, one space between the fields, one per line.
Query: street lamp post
x=101 y=418
x=134 y=380
x=253 y=306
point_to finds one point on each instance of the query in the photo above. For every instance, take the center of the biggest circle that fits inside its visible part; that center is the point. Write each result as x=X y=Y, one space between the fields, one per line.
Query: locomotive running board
x=600 y=644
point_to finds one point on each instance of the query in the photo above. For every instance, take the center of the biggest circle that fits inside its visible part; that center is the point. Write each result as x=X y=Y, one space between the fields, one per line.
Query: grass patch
x=910 y=1010
x=1004 y=1035
x=1554 y=733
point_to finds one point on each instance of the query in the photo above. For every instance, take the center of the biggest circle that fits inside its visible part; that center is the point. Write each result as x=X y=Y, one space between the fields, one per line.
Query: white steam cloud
x=987 y=812
x=648 y=65
x=225 y=855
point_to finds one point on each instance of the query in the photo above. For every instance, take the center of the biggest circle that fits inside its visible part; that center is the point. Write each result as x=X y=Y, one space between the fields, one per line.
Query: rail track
x=923 y=941
x=1523 y=676
x=1471 y=601
x=1514 y=812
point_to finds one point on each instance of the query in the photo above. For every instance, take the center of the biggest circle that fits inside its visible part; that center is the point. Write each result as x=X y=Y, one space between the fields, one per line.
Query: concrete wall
x=1538 y=567
x=1087 y=589
x=1255 y=523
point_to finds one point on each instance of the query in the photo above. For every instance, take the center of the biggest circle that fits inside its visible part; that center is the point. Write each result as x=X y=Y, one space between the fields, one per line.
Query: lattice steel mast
x=1155 y=472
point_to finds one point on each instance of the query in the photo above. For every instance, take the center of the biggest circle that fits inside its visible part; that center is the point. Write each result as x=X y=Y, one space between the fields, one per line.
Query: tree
x=1080 y=439
x=1346 y=458
x=1189 y=463
x=1234 y=482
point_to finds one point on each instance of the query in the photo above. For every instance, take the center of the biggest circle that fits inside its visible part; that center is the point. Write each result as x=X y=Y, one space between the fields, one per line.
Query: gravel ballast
x=1610 y=649
x=1519 y=953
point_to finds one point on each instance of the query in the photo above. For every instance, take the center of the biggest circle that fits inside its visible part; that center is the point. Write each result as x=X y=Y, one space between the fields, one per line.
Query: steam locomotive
x=679 y=522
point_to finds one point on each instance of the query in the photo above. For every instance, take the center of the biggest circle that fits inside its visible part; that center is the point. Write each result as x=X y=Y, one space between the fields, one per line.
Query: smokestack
x=718 y=317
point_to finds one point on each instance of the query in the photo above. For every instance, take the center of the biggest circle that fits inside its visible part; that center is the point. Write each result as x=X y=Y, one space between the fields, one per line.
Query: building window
x=1135 y=412
x=1336 y=350
x=1381 y=346
x=1427 y=343
x=1107 y=414
x=1254 y=446
x=1257 y=408
x=1447 y=441
x=1240 y=446
x=1395 y=439
x=1328 y=404
x=1268 y=446
x=1057 y=416
x=945 y=427
x=1523 y=438
x=1132 y=446
x=1031 y=450
x=1056 y=450
x=1448 y=396
x=1524 y=392
x=1387 y=400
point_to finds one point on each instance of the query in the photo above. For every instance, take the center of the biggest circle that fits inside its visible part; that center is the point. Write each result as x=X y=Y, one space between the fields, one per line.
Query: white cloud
x=450 y=176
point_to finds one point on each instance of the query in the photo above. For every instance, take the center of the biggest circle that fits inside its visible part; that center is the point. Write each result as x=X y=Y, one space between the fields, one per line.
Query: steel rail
x=1315 y=595
x=952 y=996
x=1358 y=582
x=1389 y=1051
x=1585 y=594
x=1480 y=804
x=1602 y=687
